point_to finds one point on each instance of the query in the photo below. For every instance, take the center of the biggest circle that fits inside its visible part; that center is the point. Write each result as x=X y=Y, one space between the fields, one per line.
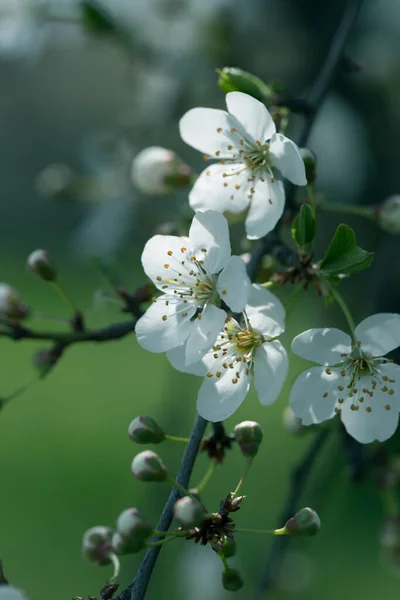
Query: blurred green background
x=91 y=101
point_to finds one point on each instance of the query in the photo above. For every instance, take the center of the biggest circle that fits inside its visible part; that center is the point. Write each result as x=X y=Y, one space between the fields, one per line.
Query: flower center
x=362 y=377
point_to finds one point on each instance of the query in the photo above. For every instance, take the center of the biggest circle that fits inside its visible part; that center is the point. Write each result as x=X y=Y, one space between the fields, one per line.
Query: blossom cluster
x=213 y=322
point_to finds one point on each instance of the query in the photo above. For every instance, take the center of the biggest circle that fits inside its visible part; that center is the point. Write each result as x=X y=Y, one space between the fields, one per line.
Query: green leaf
x=304 y=228
x=231 y=79
x=343 y=255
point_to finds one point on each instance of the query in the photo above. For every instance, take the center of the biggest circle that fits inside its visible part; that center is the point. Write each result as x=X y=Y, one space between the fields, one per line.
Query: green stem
x=340 y=300
x=180 y=487
x=249 y=461
x=160 y=542
x=281 y=531
x=179 y=440
x=207 y=476
x=115 y=561
x=311 y=197
x=350 y=209
x=65 y=296
x=170 y=533
x=224 y=561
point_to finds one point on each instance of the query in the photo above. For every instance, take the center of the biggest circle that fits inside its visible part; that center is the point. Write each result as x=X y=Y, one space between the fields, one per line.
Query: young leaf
x=343 y=255
x=304 y=228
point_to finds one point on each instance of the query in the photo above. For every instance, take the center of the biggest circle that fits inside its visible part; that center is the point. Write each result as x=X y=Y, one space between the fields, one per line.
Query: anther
x=209 y=374
x=164 y=317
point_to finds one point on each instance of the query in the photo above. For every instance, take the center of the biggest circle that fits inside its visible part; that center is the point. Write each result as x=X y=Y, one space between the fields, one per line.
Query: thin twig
x=116 y=331
x=138 y=587
x=315 y=99
x=279 y=544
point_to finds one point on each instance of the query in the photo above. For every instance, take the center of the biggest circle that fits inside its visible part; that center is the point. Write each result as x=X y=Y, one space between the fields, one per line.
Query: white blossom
x=195 y=274
x=250 y=153
x=240 y=354
x=10 y=592
x=156 y=170
x=355 y=381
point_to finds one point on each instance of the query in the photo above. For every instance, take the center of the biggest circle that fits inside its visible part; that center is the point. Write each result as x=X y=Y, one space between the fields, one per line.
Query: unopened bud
x=132 y=532
x=310 y=162
x=388 y=215
x=188 y=512
x=292 y=423
x=148 y=466
x=389 y=534
x=231 y=79
x=305 y=522
x=228 y=547
x=10 y=592
x=39 y=262
x=145 y=430
x=156 y=170
x=232 y=580
x=249 y=436
x=11 y=305
x=55 y=181
x=96 y=544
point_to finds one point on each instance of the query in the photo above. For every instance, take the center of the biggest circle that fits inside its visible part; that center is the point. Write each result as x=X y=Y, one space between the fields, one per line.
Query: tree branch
x=279 y=544
x=138 y=587
x=115 y=331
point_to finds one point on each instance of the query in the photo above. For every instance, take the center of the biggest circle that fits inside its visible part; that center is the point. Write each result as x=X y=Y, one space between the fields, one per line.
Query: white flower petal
x=209 y=231
x=366 y=427
x=323 y=346
x=265 y=311
x=155 y=257
x=266 y=208
x=204 y=333
x=270 y=370
x=286 y=157
x=156 y=334
x=199 y=128
x=219 y=398
x=176 y=357
x=233 y=284
x=213 y=190
x=252 y=115
x=307 y=397
x=379 y=334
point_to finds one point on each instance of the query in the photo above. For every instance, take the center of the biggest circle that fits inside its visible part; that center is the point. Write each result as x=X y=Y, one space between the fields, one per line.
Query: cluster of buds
x=158 y=171
x=129 y=536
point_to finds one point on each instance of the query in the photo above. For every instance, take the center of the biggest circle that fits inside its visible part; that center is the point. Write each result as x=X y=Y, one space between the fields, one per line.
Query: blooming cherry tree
x=251 y=155
x=241 y=353
x=194 y=274
x=355 y=381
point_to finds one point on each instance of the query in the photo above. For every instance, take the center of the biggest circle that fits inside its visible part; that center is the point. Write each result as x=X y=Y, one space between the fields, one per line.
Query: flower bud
x=156 y=170
x=388 y=215
x=10 y=592
x=231 y=79
x=132 y=532
x=228 y=547
x=39 y=262
x=148 y=466
x=11 y=305
x=144 y=430
x=96 y=544
x=55 y=181
x=310 y=162
x=249 y=436
x=292 y=423
x=232 y=580
x=188 y=512
x=389 y=534
x=305 y=522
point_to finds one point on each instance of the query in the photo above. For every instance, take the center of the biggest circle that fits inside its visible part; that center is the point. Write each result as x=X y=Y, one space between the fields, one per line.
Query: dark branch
x=137 y=589
x=280 y=543
x=106 y=334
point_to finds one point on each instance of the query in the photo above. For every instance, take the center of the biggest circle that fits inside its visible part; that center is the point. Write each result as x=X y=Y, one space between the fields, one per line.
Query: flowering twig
x=280 y=543
x=137 y=589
